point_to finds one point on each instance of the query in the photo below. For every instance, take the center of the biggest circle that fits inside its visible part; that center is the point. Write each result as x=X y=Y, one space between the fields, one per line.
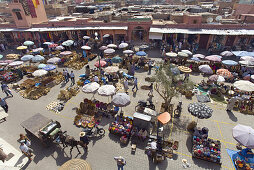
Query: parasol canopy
x=85 y=47
x=144 y=46
x=103 y=47
x=49 y=67
x=37 y=50
x=184 y=69
x=77 y=164
x=226 y=53
x=195 y=59
x=102 y=63
x=27 y=57
x=12 y=56
x=214 y=58
x=106 y=36
x=109 y=51
x=16 y=63
x=86 y=37
x=40 y=66
x=107 y=90
x=90 y=87
x=53 y=45
x=112 y=46
x=244 y=85
x=182 y=54
x=200 y=110
x=38 y=58
x=54 y=60
x=47 y=43
x=205 y=69
x=123 y=45
x=141 y=53
x=3 y=64
x=66 y=53
x=244 y=135
x=247 y=58
x=6 y=61
x=199 y=56
x=21 y=47
x=111 y=69
x=187 y=52
x=216 y=78
x=116 y=59
x=121 y=100
x=128 y=52
x=247 y=62
x=229 y=62
x=59 y=47
x=224 y=73
x=171 y=54
x=164 y=118
x=68 y=43
x=39 y=73
x=28 y=43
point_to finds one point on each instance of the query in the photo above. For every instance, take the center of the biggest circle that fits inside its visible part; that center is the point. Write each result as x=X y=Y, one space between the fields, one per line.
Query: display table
x=121 y=126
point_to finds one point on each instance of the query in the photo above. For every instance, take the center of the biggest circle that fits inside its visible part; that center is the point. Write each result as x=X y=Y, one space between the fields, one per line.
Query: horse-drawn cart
x=46 y=130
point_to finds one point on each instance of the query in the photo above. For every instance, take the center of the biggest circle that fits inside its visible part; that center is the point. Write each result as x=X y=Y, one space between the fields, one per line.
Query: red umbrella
x=53 y=45
x=102 y=63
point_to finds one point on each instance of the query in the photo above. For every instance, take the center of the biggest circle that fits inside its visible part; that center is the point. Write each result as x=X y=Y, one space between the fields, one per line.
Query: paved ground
x=102 y=151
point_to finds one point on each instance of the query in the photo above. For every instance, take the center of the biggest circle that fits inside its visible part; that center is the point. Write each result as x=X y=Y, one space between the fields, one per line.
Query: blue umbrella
x=37 y=58
x=195 y=59
x=49 y=67
x=27 y=57
x=141 y=53
x=40 y=66
x=230 y=62
x=116 y=59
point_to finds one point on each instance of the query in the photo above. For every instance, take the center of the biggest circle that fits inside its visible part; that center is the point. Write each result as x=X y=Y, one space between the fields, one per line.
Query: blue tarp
x=234 y=154
x=243 y=53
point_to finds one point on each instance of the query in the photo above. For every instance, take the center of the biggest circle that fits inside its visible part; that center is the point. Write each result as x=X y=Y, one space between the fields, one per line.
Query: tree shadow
x=232 y=116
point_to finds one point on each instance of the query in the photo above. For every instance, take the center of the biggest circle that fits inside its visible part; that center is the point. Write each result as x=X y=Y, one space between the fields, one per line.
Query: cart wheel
x=101 y=132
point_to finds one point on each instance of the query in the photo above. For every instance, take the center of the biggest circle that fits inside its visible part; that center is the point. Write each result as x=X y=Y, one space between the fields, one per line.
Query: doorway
x=203 y=41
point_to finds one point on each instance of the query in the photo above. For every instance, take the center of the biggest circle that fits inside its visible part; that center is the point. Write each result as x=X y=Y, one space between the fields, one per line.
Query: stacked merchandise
x=122 y=126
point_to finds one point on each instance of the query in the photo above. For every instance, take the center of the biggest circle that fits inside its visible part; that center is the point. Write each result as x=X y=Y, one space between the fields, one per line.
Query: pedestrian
x=65 y=74
x=150 y=66
x=151 y=90
x=6 y=89
x=72 y=78
x=126 y=86
x=26 y=150
x=231 y=103
x=135 y=84
x=120 y=162
x=186 y=76
x=87 y=71
x=84 y=140
x=24 y=139
x=4 y=105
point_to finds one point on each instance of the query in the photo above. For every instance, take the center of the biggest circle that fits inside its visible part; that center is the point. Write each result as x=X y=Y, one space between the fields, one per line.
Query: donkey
x=68 y=140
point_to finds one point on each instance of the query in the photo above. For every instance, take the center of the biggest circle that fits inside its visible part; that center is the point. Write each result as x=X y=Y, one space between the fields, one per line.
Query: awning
x=202 y=31
x=155 y=36
x=45 y=29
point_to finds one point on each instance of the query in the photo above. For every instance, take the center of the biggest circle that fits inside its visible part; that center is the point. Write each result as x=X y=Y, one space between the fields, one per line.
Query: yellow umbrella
x=184 y=69
x=21 y=47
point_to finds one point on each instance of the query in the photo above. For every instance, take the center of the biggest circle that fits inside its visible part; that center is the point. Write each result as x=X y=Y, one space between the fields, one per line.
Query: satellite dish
x=218 y=18
x=209 y=20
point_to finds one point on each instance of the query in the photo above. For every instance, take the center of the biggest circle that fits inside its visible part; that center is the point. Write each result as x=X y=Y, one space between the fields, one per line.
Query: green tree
x=168 y=84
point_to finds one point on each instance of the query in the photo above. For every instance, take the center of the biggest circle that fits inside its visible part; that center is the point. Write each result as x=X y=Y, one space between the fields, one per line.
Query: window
x=18 y=15
x=194 y=21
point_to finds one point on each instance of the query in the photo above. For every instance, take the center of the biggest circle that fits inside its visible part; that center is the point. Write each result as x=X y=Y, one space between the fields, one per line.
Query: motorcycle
x=94 y=132
x=178 y=110
x=143 y=104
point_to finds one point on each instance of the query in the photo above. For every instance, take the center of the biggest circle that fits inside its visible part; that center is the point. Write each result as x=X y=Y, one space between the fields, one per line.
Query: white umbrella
x=39 y=73
x=47 y=43
x=205 y=69
x=182 y=54
x=103 y=47
x=244 y=85
x=199 y=56
x=226 y=54
x=143 y=46
x=128 y=52
x=90 y=87
x=27 y=57
x=109 y=51
x=187 y=52
x=106 y=36
x=86 y=37
x=121 y=100
x=59 y=47
x=16 y=63
x=112 y=46
x=111 y=69
x=244 y=135
x=123 y=45
x=247 y=58
x=171 y=54
x=107 y=90
x=85 y=47
x=38 y=58
x=54 y=60
x=247 y=62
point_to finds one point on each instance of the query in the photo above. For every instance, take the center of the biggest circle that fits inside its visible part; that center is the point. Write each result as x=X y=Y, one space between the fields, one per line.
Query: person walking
x=126 y=86
x=120 y=162
x=150 y=66
x=4 y=105
x=26 y=150
x=135 y=84
x=84 y=139
x=65 y=74
x=6 y=89
x=72 y=78
x=151 y=90
x=231 y=103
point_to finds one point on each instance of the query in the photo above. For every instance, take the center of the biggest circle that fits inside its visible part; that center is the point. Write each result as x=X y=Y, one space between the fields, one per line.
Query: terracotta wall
x=243 y=9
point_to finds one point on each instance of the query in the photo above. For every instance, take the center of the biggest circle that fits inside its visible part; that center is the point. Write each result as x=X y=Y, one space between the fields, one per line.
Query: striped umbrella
x=184 y=69
x=77 y=164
